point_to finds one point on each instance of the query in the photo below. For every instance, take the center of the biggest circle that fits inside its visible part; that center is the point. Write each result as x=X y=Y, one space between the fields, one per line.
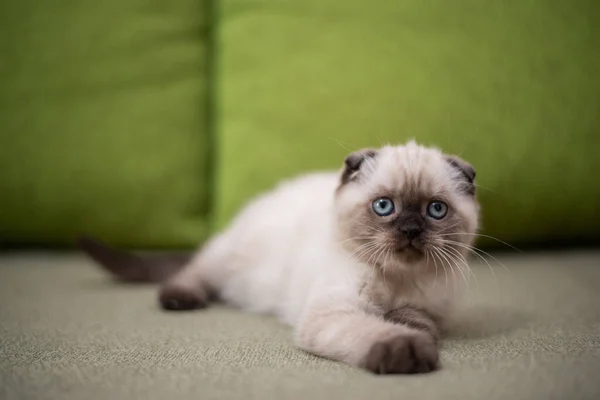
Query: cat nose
x=411 y=232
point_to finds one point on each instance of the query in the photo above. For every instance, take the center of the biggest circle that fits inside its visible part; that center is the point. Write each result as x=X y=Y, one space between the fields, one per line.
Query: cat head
x=401 y=205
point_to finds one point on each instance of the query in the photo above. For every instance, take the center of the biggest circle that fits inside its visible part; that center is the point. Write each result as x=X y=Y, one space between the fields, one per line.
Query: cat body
x=276 y=263
x=356 y=262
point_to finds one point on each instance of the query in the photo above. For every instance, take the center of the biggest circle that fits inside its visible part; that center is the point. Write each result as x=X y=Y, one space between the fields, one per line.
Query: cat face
x=402 y=205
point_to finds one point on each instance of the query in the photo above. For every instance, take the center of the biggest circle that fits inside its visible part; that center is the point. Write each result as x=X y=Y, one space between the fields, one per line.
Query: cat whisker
x=366 y=244
x=459 y=257
x=376 y=256
x=484 y=188
x=456 y=261
x=451 y=266
x=386 y=246
x=373 y=254
x=435 y=267
x=379 y=254
x=387 y=253
x=477 y=251
x=363 y=249
x=384 y=265
x=446 y=229
x=436 y=256
x=360 y=253
x=427 y=262
x=468 y=249
x=371 y=229
x=366 y=222
x=463 y=260
x=357 y=238
x=480 y=257
x=341 y=144
x=486 y=236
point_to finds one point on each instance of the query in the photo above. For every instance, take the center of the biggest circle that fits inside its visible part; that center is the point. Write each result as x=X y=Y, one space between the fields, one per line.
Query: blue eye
x=437 y=209
x=383 y=206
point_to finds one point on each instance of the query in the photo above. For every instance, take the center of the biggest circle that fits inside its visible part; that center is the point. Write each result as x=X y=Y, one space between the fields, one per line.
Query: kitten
x=356 y=262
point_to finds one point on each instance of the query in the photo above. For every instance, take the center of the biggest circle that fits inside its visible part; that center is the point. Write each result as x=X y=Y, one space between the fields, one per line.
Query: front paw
x=411 y=353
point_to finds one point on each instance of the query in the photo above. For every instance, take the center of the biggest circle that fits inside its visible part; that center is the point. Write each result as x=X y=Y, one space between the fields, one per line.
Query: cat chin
x=411 y=257
x=407 y=256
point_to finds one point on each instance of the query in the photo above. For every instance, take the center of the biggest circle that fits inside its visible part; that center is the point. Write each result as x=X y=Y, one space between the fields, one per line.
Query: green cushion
x=103 y=122
x=512 y=87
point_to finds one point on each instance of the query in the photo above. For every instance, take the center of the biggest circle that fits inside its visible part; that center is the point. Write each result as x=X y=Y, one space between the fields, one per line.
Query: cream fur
x=288 y=253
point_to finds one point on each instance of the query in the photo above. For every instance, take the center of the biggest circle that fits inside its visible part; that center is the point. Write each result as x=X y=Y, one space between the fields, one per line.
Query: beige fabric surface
x=69 y=332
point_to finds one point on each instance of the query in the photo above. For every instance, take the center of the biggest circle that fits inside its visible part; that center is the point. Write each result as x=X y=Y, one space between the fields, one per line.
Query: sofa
x=149 y=123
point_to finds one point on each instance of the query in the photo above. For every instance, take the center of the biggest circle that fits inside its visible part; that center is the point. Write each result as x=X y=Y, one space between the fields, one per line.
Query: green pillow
x=103 y=125
x=512 y=87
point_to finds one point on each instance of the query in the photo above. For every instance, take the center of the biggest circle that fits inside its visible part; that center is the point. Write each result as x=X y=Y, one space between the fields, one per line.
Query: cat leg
x=416 y=318
x=367 y=341
x=192 y=286
x=186 y=290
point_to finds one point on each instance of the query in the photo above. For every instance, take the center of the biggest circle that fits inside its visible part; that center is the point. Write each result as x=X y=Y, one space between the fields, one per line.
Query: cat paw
x=175 y=297
x=412 y=353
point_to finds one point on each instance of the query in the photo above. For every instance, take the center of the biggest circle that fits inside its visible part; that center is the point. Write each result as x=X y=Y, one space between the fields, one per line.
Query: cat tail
x=131 y=267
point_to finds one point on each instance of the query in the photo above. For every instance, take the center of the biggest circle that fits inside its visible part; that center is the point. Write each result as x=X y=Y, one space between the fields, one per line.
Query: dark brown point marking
x=467 y=171
x=415 y=318
x=353 y=162
x=404 y=354
x=175 y=297
x=131 y=267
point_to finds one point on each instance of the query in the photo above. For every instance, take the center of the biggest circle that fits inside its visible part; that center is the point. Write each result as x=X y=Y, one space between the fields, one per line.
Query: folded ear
x=353 y=163
x=467 y=172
